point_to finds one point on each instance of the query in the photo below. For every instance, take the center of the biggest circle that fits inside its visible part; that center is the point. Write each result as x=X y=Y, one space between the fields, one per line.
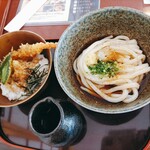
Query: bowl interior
x=15 y=39
x=91 y=27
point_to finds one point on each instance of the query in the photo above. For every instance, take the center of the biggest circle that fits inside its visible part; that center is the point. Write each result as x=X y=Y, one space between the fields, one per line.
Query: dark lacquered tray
x=129 y=131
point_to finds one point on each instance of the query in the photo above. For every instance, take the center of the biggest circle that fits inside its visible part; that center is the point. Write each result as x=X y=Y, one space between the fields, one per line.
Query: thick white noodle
x=123 y=87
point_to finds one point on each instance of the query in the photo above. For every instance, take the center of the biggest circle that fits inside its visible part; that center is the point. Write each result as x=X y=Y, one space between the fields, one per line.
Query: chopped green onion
x=104 y=68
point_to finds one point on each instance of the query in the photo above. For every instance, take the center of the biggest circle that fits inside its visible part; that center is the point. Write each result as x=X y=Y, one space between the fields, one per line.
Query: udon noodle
x=112 y=69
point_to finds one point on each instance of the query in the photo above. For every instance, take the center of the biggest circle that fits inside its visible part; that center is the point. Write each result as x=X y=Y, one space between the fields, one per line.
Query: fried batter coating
x=25 y=58
x=28 y=51
x=20 y=70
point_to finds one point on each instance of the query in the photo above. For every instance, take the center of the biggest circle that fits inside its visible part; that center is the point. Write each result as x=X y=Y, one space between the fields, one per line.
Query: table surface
x=121 y=132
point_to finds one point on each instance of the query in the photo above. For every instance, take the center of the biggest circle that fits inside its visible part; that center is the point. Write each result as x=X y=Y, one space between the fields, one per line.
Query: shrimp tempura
x=28 y=51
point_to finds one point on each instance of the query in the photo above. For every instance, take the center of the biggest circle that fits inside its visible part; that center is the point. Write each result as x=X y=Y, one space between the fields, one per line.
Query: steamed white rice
x=12 y=91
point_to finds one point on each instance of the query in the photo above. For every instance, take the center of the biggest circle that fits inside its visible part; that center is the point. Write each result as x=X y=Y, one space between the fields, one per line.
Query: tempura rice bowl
x=15 y=39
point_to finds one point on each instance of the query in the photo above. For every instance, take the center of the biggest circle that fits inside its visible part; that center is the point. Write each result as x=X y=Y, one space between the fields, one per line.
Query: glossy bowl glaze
x=56 y=122
x=89 y=28
x=15 y=39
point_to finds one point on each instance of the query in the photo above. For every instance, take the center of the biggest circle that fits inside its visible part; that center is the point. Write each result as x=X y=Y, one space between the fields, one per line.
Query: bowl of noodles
x=24 y=68
x=102 y=60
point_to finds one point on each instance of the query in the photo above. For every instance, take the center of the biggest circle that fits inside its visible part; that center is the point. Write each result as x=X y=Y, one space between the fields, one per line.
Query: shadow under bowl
x=89 y=28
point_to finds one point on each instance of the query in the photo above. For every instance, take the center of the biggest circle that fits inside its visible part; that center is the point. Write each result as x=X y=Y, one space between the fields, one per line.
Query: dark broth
x=46 y=117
